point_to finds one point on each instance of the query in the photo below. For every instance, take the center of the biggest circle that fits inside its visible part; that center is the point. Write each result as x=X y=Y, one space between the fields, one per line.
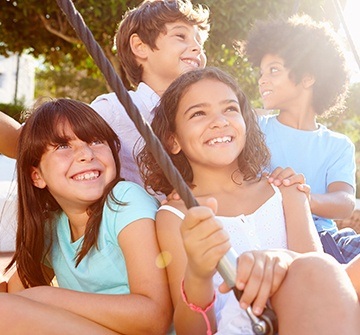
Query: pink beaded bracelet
x=198 y=309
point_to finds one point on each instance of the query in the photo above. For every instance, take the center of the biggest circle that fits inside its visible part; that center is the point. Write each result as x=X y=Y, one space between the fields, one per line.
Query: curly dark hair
x=307 y=47
x=252 y=160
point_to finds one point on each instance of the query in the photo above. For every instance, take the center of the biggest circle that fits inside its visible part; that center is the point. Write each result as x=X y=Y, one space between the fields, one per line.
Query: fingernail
x=243 y=305
x=257 y=310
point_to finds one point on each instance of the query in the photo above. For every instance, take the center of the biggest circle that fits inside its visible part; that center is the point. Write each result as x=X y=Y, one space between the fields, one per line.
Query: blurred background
x=40 y=55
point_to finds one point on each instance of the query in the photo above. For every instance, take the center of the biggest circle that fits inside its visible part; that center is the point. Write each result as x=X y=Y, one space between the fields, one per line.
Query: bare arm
x=301 y=231
x=9 y=135
x=146 y=310
x=337 y=203
x=198 y=288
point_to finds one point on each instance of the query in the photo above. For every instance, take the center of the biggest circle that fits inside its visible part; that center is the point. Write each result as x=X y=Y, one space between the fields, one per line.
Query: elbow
x=160 y=322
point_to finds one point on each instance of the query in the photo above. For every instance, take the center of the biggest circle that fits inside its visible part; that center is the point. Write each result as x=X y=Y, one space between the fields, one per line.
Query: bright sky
x=352 y=19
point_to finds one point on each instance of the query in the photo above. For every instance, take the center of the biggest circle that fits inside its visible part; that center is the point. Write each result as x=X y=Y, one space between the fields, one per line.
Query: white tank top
x=263 y=229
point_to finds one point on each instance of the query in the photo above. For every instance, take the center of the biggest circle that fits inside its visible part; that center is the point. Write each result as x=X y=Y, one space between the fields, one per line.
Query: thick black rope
x=160 y=155
x=268 y=321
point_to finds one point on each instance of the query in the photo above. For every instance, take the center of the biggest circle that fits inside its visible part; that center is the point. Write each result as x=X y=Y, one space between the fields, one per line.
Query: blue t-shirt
x=322 y=155
x=103 y=269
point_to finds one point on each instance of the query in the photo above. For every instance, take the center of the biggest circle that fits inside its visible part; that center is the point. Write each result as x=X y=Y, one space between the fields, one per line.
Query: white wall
x=25 y=83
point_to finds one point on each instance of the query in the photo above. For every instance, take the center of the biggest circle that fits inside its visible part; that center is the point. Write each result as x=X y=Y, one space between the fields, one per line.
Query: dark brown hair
x=251 y=161
x=37 y=209
x=148 y=21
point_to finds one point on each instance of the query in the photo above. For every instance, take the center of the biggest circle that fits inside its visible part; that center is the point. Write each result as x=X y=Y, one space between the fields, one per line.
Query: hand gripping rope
x=266 y=324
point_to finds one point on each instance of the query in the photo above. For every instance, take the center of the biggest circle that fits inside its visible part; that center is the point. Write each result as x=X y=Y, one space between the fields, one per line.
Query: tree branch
x=53 y=31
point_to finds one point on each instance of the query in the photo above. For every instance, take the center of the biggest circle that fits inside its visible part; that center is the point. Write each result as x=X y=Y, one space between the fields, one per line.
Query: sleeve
x=108 y=107
x=343 y=167
x=136 y=204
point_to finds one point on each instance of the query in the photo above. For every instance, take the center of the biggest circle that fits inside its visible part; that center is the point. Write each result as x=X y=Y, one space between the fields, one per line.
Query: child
x=303 y=75
x=156 y=42
x=210 y=132
x=79 y=221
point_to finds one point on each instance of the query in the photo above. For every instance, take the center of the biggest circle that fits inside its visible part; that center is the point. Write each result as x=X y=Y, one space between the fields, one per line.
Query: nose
x=219 y=121
x=198 y=48
x=196 y=45
x=85 y=153
x=262 y=80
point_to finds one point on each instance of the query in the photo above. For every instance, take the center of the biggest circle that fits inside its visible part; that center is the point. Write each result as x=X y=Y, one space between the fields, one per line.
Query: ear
x=174 y=145
x=36 y=178
x=308 y=81
x=138 y=47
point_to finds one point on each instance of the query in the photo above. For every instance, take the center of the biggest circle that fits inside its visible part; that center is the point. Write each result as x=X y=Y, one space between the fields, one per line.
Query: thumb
x=212 y=204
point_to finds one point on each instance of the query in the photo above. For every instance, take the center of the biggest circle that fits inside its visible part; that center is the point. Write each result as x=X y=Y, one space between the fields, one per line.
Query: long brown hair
x=36 y=207
x=251 y=161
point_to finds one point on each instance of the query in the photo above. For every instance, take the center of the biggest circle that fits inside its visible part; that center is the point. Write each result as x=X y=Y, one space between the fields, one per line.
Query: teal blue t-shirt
x=103 y=269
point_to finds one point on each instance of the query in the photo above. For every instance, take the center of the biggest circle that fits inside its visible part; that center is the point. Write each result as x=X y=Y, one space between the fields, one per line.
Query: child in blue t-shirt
x=303 y=76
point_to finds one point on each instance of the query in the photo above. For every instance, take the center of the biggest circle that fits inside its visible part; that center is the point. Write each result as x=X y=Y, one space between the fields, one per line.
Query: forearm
x=199 y=293
x=9 y=134
x=334 y=205
x=126 y=314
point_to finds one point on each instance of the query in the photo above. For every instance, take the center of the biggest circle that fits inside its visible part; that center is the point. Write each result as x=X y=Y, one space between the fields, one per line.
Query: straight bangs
x=51 y=120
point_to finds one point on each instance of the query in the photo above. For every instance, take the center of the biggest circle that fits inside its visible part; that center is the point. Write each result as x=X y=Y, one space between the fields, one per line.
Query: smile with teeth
x=191 y=62
x=87 y=176
x=225 y=139
x=266 y=93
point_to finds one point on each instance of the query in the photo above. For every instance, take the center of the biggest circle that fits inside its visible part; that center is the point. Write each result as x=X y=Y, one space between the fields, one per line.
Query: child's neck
x=302 y=119
x=209 y=183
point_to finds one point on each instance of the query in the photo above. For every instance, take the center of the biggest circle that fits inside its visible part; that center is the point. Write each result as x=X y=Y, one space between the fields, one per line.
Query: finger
x=253 y=284
x=195 y=215
x=298 y=178
x=275 y=272
x=304 y=188
x=265 y=288
x=223 y=288
x=282 y=176
x=274 y=174
x=246 y=262
x=212 y=203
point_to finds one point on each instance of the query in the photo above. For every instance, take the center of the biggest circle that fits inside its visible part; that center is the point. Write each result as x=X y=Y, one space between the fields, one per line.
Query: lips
x=88 y=175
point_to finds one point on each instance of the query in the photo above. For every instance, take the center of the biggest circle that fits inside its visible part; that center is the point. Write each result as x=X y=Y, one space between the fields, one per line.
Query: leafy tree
x=40 y=28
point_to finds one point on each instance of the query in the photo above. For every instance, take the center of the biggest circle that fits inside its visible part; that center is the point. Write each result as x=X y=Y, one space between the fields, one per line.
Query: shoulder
x=266 y=120
x=334 y=140
x=131 y=193
x=109 y=99
x=172 y=208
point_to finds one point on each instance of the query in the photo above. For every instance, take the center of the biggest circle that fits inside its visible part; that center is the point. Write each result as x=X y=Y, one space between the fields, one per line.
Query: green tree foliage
x=40 y=28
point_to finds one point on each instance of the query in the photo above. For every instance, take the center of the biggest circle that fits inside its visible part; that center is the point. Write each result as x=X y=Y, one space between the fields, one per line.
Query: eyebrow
x=183 y=26
x=205 y=104
x=186 y=27
x=275 y=63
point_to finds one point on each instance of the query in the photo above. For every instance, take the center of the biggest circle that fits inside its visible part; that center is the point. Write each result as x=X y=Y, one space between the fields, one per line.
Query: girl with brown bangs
x=81 y=223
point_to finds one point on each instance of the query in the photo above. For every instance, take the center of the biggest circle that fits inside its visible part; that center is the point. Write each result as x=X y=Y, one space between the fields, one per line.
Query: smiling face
x=210 y=129
x=277 y=89
x=75 y=172
x=179 y=50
